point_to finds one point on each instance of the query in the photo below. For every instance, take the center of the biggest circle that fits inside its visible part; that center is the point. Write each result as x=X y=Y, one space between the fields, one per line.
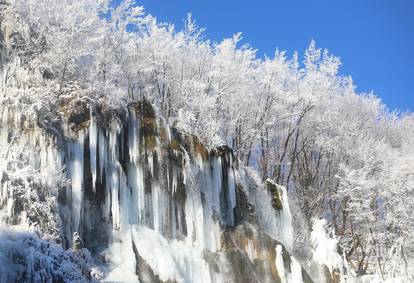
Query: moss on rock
x=275 y=195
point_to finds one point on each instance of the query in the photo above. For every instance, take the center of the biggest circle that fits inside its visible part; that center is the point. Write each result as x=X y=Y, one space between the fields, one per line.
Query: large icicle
x=156 y=207
x=103 y=153
x=135 y=175
x=217 y=179
x=133 y=138
x=231 y=187
x=136 y=183
x=279 y=264
x=114 y=192
x=286 y=220
x=93 y=139
x=210 y=192
x=76 y=173
x=113 y=185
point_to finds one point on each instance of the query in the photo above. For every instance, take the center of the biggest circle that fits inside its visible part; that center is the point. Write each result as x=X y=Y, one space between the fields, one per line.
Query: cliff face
x=149 y=202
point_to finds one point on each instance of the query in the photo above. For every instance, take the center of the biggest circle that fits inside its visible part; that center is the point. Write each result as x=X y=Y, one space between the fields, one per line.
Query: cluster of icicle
x=42 y=155
x=142 y=214
x=131 y=203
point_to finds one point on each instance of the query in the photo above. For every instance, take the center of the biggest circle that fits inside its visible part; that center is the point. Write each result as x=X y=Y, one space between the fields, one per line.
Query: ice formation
x=153 y=204
x=325 y=248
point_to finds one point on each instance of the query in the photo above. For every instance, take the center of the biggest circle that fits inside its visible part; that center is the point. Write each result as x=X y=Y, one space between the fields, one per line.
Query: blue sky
x=373 y=38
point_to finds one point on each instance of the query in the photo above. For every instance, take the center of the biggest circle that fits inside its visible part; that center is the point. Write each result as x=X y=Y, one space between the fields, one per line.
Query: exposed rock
x=252 y=255
x=274 y=192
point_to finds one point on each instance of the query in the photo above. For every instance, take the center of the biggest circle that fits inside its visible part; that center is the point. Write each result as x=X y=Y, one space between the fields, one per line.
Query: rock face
x=153 y=204
x=256 y=257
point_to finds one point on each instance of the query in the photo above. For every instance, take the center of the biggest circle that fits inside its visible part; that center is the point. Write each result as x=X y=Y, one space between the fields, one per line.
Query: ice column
x=76 y=172
x=93 y=139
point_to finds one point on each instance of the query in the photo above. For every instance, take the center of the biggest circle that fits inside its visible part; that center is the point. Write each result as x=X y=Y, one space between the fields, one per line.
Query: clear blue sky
x=373 y=38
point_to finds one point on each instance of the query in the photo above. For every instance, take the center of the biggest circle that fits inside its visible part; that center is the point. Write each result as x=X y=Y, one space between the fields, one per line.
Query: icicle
x=136 y=183
x=279 y=264
x=115 y=168
x=199 y=160
x=286 y=219
x=93 y=139
x=134 y=170
x=114 y=186
x=194 y=217
x=103 y=153
x=125 y=202
x=217 y=179
x=211 y=227
x=117 y=200
x=156 y=209
x=113 y=146
x=150 y=163
x=296 y=271
x=76 y=171
x=133 y=138
x=231 y=195
x=174 y=179
x=193 y=205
